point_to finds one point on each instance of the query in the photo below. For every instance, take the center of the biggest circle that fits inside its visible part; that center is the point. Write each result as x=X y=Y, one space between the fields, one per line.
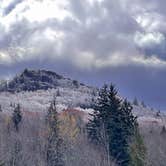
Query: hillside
x=34 y=90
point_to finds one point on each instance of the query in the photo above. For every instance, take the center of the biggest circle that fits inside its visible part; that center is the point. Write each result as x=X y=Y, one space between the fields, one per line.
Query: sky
x=94 y=41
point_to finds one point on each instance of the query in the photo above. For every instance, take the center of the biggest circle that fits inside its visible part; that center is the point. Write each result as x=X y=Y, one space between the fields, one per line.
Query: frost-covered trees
x=54 y=155
x=112 y=125
x=76 y=83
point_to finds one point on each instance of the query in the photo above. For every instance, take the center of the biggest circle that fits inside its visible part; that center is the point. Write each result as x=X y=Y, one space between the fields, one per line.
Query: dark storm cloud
x=122 y=41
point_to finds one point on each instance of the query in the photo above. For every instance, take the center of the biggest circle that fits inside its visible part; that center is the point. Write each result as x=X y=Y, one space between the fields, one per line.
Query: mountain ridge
x=32 y=80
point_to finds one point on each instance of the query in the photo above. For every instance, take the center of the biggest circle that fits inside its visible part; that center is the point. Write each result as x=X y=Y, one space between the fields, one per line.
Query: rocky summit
x=32 y=80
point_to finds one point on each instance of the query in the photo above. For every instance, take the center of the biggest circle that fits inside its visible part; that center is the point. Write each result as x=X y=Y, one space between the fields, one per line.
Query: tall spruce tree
x=54 y=155
x=112 y=124
x=94 y=125
x=17 y=117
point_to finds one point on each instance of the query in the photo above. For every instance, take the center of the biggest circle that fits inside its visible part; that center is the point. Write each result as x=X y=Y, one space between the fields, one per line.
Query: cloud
x=149 y=39
x=79 y=23
x=4 y=58
x=89 y=36
x=99 y=28
x=12 y=5
x=117 y=59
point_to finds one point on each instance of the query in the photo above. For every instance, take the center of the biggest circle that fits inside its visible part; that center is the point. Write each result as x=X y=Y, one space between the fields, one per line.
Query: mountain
x=34 y=89
x=32 y=80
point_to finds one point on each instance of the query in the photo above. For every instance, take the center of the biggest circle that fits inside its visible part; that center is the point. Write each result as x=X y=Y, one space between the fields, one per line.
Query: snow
x=40 y=100
x=70 y=93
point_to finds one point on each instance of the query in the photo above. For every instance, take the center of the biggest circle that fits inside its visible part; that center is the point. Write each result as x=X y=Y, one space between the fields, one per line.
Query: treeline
x=110 y=137
x=137 y=103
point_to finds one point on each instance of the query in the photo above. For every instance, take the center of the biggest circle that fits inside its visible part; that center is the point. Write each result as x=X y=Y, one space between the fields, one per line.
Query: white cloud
x=148 y=39
x=152 y=61
x=5 y=58
x=40 y=11
x=34 y=10
x=89 y=61
x=94 y=34
x=53 y=34
x=5 y=3
x=136 y=60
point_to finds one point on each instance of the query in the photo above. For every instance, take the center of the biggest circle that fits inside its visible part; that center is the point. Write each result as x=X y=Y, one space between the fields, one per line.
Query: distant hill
x=32 y=80
x=34 y=89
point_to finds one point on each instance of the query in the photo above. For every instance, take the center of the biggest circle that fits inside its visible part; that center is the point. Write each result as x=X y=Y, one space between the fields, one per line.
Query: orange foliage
x=71 y=122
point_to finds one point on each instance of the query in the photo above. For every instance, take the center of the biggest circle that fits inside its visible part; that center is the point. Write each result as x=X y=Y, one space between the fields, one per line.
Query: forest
x=108 y=136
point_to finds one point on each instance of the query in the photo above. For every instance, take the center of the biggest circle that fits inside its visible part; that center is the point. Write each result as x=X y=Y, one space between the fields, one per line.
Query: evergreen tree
x=152 y=109
x=112 y=124
x=135 y=102
x=53 y=155
x=163 y=131
x=158 y=113
x=76 y=83
x=17 y=146
x=137 y=150
x=143 y=104
x=58 y=93
x=93 y=127
x=1 y=108
x=17 y=117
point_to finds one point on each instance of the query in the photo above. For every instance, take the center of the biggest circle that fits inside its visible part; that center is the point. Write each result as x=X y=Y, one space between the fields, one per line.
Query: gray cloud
x=11 y=6
x=96 y=41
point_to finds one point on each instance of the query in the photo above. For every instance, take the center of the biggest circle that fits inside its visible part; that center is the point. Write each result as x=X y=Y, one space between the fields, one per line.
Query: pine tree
x=1 y=109
x=53 y=155
x=76 y=83
x=58 y=93
x=17 y=146
x=129 y=126
x=121 y=125
x=143 y=104
x=135 y=102
x=112 y=124
x=17 y=117
x=93 y=127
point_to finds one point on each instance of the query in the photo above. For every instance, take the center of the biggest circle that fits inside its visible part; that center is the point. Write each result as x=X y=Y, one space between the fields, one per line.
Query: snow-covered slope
x=34 y=90
x=40 y=100
x=149 y=116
